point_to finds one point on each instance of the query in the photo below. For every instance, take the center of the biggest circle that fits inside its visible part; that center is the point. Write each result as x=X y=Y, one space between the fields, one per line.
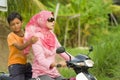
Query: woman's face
x=50 y=22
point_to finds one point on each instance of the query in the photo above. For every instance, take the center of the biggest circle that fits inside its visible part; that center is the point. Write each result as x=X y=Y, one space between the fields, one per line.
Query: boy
x=18 y=67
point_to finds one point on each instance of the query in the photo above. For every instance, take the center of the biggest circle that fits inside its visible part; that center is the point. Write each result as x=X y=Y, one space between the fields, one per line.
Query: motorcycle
x=80 y=64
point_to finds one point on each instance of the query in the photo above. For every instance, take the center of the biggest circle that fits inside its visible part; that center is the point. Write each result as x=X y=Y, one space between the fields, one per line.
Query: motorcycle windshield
x=80 y=58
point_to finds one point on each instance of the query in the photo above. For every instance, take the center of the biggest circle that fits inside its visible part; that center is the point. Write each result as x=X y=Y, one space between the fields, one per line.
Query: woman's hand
x=60 y=64
x=63 y=64
x=54 y=64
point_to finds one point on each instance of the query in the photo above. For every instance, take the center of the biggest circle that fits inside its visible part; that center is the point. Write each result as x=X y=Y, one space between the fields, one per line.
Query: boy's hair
x=14 y=15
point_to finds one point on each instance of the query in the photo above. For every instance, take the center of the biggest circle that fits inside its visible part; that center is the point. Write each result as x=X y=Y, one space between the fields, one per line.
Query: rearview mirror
x=60 y=50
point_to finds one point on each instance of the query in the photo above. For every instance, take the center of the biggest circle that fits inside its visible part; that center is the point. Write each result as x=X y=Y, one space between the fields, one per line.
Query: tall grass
x=107 y=57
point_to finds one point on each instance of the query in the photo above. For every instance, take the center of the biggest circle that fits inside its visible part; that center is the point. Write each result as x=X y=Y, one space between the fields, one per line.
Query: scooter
x=80 y=64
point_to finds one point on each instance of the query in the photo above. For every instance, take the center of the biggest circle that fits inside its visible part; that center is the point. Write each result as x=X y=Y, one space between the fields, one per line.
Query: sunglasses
x=50 y=19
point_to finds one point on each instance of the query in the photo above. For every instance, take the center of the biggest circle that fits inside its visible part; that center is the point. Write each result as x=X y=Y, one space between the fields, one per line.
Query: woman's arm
x=39 y=54
x=64 y=55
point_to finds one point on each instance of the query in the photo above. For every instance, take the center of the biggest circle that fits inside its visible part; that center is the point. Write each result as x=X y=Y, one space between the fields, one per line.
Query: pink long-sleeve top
x=44 y=49
x=43 y=59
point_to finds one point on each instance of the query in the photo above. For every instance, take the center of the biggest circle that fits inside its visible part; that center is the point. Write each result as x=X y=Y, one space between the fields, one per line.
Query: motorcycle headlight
x=89 y=63
x=80 y=64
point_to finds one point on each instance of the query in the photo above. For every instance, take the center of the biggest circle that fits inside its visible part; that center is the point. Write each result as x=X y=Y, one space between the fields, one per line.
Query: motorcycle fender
x=81 y=76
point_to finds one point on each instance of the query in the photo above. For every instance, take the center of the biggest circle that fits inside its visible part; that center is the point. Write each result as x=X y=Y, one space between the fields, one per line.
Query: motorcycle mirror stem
x=90 y=50
x=61 y=50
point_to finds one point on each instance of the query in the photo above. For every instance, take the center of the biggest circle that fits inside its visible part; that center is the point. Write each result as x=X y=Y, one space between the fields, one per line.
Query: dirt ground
x=3 y=55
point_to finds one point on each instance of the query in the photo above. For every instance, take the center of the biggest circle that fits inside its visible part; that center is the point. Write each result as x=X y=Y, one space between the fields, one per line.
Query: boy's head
x=14 y=15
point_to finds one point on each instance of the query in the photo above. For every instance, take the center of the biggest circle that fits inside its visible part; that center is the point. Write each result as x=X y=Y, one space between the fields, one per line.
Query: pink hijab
x=38 y=24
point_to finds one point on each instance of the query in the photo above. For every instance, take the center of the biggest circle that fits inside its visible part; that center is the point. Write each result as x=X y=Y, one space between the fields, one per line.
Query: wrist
x=58 y=65
x=53 y=65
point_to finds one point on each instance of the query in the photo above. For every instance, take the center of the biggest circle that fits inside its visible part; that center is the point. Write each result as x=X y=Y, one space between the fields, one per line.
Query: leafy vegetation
x=106 y=56
x=79 y=23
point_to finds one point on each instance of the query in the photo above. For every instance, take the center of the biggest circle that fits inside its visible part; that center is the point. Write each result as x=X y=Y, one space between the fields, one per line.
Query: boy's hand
x=34 y=39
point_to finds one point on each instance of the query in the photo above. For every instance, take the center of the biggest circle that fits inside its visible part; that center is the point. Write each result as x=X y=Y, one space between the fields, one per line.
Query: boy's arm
x=23 y=46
